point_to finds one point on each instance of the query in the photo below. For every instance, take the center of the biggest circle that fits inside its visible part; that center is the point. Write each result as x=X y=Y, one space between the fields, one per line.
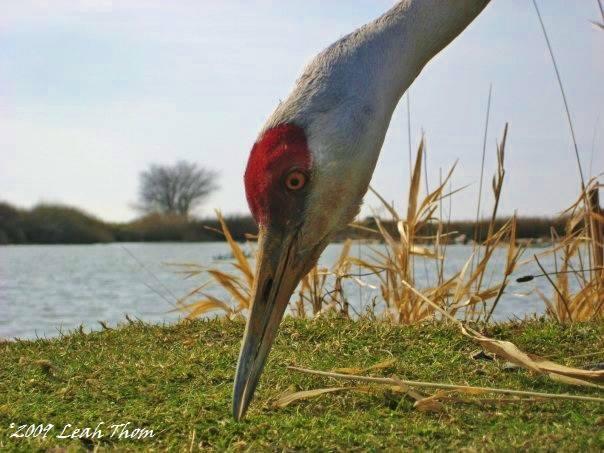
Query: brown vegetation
x=423 y=232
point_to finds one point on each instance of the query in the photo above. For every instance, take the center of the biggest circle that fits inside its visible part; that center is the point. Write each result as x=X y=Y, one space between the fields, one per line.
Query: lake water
x=52 y=288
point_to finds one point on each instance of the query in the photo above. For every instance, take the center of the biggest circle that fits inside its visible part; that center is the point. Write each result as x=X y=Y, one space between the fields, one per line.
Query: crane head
x=282 y=182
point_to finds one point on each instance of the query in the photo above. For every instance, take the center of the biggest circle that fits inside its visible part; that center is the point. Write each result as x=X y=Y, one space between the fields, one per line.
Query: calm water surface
x=52 y=288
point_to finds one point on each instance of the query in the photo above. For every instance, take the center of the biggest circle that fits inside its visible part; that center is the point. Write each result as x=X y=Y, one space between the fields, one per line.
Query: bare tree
x=175 y=189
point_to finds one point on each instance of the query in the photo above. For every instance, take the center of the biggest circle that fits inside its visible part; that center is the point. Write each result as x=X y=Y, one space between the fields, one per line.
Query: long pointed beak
x=278 y=271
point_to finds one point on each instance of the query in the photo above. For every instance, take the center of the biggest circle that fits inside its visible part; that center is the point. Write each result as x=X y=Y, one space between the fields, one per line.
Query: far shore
x=57 y=224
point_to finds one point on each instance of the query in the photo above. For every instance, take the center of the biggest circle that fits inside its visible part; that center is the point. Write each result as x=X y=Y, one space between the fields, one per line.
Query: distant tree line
x=50 y=224
x=175 y=189
x=167 y=196
x=57 y=224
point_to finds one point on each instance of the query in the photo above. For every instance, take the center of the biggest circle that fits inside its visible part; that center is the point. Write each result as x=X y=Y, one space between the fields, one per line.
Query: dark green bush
x=11 y=219
x=55 y=224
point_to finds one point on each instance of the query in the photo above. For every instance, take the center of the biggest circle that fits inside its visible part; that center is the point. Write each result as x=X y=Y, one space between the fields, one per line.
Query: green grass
x=177 y=381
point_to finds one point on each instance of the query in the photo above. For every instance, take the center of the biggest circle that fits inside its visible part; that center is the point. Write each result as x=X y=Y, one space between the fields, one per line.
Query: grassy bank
x=177 y=381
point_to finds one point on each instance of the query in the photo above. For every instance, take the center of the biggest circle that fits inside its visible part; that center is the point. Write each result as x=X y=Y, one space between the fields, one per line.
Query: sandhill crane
x=312 y=162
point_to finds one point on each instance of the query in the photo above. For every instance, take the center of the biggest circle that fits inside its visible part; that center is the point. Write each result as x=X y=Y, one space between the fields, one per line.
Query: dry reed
x=577 y=256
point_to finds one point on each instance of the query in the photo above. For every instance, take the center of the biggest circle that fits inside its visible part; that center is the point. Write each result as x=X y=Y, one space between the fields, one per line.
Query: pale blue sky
x=91 y=92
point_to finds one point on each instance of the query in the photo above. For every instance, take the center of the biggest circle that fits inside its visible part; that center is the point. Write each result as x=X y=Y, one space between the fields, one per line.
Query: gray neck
x=370 y=69
x=410 y=34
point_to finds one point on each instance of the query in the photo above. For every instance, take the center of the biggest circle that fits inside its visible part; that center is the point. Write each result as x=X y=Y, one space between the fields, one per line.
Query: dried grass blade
x=437 y=385
x=574 y=381
x=414 y=186
x=233 y=286
x=378 y=366
x=387 y=205
x=204 y=306
x=290 y=397
x=242 y=261
x=578 y=373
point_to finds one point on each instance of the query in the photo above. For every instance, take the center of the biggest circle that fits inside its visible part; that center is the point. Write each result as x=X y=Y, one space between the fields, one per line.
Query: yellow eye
x=295 y=180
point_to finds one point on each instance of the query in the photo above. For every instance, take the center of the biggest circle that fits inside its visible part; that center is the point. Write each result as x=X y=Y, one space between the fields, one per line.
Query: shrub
x=55 y=224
